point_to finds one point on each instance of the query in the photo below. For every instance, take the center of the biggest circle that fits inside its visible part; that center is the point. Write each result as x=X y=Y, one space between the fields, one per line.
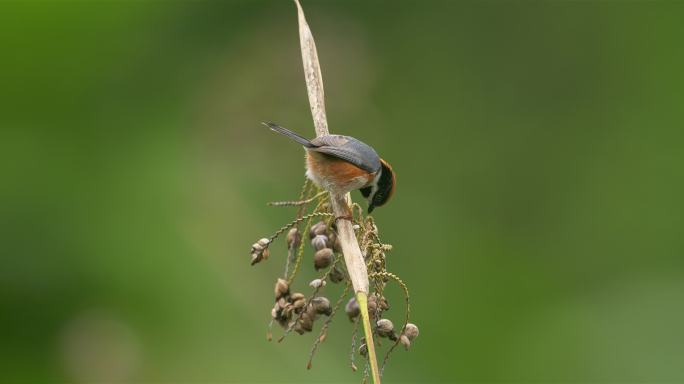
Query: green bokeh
x=538 y=218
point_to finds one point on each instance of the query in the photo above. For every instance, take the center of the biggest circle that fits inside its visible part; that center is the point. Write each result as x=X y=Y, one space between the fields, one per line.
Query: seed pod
x=385 y=327
x=281 y=289
x=282 y=303
x=372 y=305
x=319 y=242
x=337 y=245
x=278 y=315
x=260 y=250
x=405 y=341
x=334 y=242
x=321 y=305
x=293 y=238
x=352 y=308
x=363 y=349
x=298 y=305
x=411 y=331
x=319 y=228
x=336 y=275
x=383 y=304
x=323 y=258
x=304 y=324
x=317 y=283
x=297 y=296
x=287 y=311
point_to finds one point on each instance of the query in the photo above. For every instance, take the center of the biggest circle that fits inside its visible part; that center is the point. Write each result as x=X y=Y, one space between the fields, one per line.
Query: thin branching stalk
x=295 y=203
x=300 y=251
x=324 y=329
x=295 y=222
x=388 y=275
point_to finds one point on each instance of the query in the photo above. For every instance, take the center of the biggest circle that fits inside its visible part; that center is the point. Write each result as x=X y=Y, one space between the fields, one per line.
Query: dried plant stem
x=340 y=204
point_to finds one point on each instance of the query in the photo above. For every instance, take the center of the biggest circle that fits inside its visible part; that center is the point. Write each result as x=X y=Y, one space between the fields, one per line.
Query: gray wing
x=348 y=149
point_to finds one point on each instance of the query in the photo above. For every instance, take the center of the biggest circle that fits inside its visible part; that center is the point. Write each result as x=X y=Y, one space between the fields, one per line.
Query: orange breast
x=334 y=173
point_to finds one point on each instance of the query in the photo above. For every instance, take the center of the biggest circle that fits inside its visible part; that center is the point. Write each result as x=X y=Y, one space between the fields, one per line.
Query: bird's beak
x=371 y=207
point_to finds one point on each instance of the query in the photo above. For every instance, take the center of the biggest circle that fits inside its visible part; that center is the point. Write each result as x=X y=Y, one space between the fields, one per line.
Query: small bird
x=341 y=164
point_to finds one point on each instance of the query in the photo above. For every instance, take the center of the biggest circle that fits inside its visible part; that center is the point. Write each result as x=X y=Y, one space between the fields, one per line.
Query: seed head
x=317 y=283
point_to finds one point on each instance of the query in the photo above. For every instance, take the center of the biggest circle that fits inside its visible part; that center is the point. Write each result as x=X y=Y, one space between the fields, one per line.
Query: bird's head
x=382 y=188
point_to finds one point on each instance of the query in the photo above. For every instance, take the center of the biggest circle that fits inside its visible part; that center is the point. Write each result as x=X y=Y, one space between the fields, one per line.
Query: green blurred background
x=538 y=219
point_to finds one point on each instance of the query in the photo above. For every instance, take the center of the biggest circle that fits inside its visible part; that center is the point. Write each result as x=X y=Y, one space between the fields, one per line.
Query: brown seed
x=337 y=245
x=352 y=308
x=299 y=304
x=323 y=258
x=383 y=303
x=384 y=327
x=293 y=238
x=282 y=289
x=363 y=350
x=321 y=305
x=287 y=311
x=297 y=296
x=282 y=303
x=319 y=228
x=336 y=275
x=304 y=324
x=411 y=331
x=319 y=242
x=334 y=242
x=405 y=341
x=372 y=305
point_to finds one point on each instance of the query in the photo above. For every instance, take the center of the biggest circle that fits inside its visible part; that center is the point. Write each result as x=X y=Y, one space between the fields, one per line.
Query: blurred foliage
x=538 y=219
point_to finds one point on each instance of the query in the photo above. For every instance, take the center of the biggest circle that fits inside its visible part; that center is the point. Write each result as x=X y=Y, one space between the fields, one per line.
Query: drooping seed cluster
x=260 y=250
x=288 y=305
x=296 y=311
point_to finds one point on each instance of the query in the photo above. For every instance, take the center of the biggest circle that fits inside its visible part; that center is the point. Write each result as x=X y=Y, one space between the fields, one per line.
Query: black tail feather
x=292 y=135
